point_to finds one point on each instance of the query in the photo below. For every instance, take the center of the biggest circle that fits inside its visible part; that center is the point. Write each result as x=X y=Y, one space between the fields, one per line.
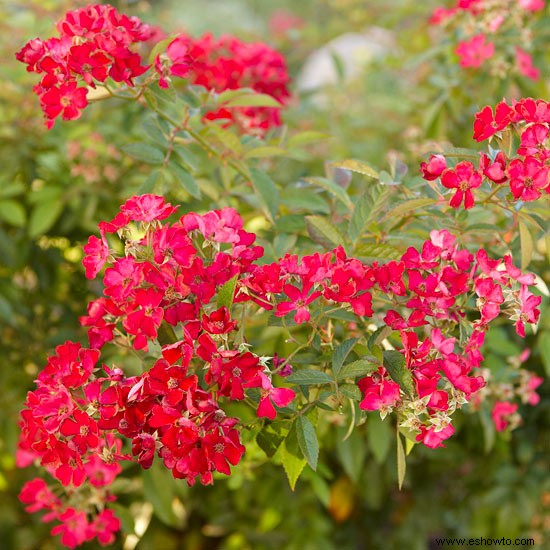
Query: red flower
x=66 y=100
x=300 y=299
x=84 y=430
x=486 y=124
x=85 y=60
x=463 y=178
x=218 y=322
x=223 y=449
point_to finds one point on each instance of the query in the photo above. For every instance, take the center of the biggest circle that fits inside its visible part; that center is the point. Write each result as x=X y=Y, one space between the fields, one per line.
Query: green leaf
x=283 y=243
x=309 y=378
x=166 y=334
x=351 y=453
x=381 y=333
x=377 y=251
x=152 y=180
x=340 y=354
x=6 y=311
x=401 y=462
x=43 y=216
x=160 y=47
x=303 y=138
x=226 y=137
x=270 y=439
x=253 y=100
x=323 y=232
x=379 y=437
x=351 y=391
x=307 y=439
x=265 y=152
x=395 y=364
x=304 y=199
x=158 y=489
x=267 y=192
x=291 y=457
x=408 y=207
x=226 y=293
x=331 y=187
x=367 y=209
x=357 y=166
x=185 y=179
x=527 y=246
x=12 y=189
x=488 y=427
x=543 y=343
x=361 y=367
x=12 y=212
x=144 y=152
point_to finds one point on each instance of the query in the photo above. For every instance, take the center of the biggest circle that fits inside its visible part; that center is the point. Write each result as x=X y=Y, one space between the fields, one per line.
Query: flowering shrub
x=174 y=375
x=487 y=34
x=525 y=168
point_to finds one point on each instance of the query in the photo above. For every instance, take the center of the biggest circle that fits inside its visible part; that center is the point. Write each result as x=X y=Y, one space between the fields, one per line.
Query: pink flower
x=533 y=140
x=532 y=5
x=378 y=391
x=74 y=528
x=525 y=64
x=96 y=254
x=270 y=395
x=432 y=169
x=501 y=413
x=528 y=178
x=433 y=438
x=528 y=312
x=147 y=208
x=490 y=298
x=104 y=527
x=474 y=52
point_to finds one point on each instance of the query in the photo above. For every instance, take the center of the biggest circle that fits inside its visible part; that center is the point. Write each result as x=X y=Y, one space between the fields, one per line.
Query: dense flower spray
x=96 y=47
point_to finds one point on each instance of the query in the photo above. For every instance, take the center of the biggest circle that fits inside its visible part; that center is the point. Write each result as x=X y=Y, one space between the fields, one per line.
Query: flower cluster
x=94 y=44
x=228 y=63
x=526 y=169
x=161 y=290
x=486 y=25
x=431 y=291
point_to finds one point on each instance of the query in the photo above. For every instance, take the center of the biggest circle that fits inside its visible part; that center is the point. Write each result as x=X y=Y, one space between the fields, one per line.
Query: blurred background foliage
x=404 y=97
